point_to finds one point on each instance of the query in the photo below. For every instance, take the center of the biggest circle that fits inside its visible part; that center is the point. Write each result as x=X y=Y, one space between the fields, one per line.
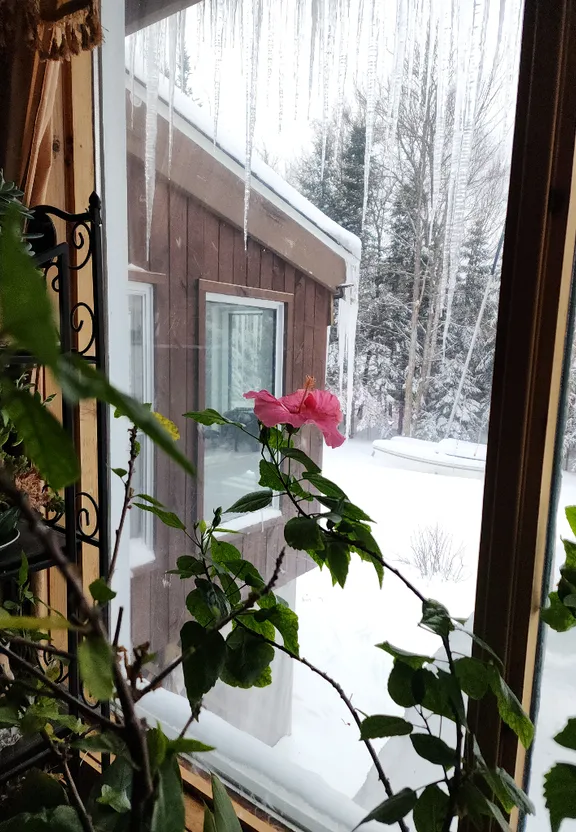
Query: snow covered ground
x=339 y=628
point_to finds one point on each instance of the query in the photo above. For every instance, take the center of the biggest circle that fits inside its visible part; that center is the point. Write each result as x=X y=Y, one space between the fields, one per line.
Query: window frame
x=212 y=291
x=142 y=548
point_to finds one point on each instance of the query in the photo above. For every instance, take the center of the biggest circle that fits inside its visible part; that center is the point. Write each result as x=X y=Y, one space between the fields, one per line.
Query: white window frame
x=142 y=548
x=272 y=512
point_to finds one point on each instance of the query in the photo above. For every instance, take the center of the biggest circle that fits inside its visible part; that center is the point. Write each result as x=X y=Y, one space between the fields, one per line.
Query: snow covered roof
x=265 y=180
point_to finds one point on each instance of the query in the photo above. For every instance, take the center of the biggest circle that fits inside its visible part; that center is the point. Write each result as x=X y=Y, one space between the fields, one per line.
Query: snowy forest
x=423 y=368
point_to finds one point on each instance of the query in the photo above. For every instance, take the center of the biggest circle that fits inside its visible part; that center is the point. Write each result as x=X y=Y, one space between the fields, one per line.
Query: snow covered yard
x=339 y=627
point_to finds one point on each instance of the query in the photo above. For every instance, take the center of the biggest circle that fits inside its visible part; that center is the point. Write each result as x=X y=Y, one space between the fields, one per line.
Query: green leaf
x=168 y=811
x=116 y=799
x=95 y=662
x=214 y=597
x=286 y=622
x=30 y=622
x=157 y=743
x=374 y=727
x=254 y=501
x=400 y=684
x=101 y=592
x=39 y=790
x=570 y=550
x=209 y=821
x=120 y=472
x=248 y=660
x=303 y=533
x=560 y=793
x=198 y=608
x=433 y=749
x=440 y=693
x=25 y=308
x=510 y=709
x=472 y=676
x=243 y=570
x=325 y=486
x=105 y=743
x=344 y=508
x=570 y=512
x=203 y=664
x=47 y=444
x=567 y=736
x=558 y=616
x=23 y=571
x=224 y=814
x=435 y=617
x=148 y=499
x=483 y=645
x=188 y=567
x=337 y=559
x=414 y=660
x=394 y=808
x=222 y=552
x=269 y=476
x=430 y=811
x=187 y=745
x=208 y=417
x=167 y=517
x=299 y=456
x=9 y=716
x=230 y=588
x=506 y=790
x=498 y=816
x=79 y=380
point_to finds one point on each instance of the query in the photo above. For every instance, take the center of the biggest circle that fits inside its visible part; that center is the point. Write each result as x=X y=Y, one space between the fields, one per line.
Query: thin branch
x=340 y=691
x=60 y=692
x=189 y=722
x=126 y=504
x=118 y=627
x=459 y=741
x=252 y=598
x=41 y=647
x=85 y=819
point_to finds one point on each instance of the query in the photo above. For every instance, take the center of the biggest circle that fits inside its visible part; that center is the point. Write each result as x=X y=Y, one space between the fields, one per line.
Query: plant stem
x=126 y=504
x=85 y=819
x=41 y=647
x=340 y=691
x=459 y=740
x=252 y=598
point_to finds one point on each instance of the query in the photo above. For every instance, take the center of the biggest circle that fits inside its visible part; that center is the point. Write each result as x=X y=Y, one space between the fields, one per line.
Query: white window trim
x=245 y=521
x=142 y=548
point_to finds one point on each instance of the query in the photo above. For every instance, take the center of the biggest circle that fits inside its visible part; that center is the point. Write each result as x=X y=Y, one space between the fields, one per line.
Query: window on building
x=141 y=315
x=244 y=351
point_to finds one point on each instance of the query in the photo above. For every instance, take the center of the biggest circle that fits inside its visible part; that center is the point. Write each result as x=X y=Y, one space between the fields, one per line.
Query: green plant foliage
x=270 y=477
x=102 y=743
x=251 y=502
x=223 y=552
x=393 y=809
x=473 y=676
x=247 y=661
x=188 y=567
x=337 y=554
x=560 y=793
x=430 y=810
x=116 y=799
x=299 y=456
x=303 y=533
x=400 y=684
x=47 y=443
x=209 y=417
x=204 y=653
x=374 y=727
x=95 y=662
x=225 y=819
x=167 y=517
x=186 y=745
x=510 y=709
x=414 y=660
x=570 y=512
x=433 y=749
x=285 y=621
x=435 y=617
x=557 y=615
x=168 y=812
x=60 y=819
x=567 y=736
x=101 y=592
x=325 y=486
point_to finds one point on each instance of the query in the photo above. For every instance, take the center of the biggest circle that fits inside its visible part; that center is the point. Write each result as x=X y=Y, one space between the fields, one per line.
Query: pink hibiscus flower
x=305 y=406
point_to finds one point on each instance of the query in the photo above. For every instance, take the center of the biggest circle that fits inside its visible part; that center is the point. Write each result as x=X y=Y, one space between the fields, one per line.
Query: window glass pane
x=240 y=356
x=363 y=251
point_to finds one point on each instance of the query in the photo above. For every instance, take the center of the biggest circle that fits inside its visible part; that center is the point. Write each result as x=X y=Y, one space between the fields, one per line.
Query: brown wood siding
x=189 y=244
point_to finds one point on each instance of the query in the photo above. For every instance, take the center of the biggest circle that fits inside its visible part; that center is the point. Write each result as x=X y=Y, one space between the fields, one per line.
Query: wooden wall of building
x=189 y=243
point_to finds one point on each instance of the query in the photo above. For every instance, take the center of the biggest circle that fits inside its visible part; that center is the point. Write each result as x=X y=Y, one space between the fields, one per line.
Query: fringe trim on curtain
x=55 y=29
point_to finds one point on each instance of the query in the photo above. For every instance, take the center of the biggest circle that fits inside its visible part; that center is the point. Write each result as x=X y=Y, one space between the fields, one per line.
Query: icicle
x=218 y=36
x=326 y=64
x=251 y=25
x=153 y=46
x=343 y=46
x=347 y=320
x=298 y=33
x=370 y=101
x=313 y=41
x=132 y=73
x=182 y=48
x=173 y=39
x=398 y=68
